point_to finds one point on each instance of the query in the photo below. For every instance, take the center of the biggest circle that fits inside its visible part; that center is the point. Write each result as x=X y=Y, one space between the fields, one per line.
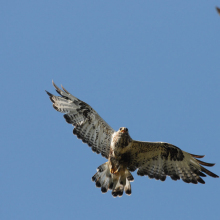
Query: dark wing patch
x=158 y=160
x=89 y=126
x=174 y=153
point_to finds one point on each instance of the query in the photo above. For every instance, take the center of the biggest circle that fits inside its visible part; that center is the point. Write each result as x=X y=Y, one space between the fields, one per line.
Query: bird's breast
x=119 y=143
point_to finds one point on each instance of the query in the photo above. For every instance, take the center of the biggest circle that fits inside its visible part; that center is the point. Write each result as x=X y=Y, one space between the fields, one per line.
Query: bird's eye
x=120 y=129
x=126 y=129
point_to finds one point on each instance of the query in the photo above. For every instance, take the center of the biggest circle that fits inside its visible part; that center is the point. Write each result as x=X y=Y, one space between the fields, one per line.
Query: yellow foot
x=114 y=171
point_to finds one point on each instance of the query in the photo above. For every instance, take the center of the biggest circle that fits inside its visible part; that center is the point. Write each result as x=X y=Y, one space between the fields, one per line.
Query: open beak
x=123 y=131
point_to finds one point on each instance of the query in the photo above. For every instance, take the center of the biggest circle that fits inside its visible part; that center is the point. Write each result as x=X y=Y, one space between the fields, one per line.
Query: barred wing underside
x=158 y=159
x=89 y=126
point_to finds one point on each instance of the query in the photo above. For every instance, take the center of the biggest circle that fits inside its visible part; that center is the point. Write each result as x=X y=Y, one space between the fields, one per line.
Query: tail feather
x=105 y=186
x=128 y=187
x=102 y=167
x=118 y=183
x=96 y=177
x=118 y=190
x=122 y=180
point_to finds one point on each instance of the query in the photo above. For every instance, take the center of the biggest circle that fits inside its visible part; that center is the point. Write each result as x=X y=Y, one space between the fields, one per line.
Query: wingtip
x=56 y=87
x=64 y=90
x=48 y=93
x=203 y=169
x=205 y=164
x=54 y=84
x=59 y=91
x=197 y=156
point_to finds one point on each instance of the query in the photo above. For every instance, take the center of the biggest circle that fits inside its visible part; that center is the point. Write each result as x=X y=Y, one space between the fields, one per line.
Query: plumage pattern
x=89 y=126
x=153 y=159
x=158 y=160
x=108 y=181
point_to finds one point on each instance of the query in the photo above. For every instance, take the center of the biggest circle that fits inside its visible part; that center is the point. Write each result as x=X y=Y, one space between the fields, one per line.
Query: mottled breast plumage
x=121 y=140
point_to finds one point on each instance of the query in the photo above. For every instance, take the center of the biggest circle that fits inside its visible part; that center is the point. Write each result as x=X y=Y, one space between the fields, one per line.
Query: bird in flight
x=125 y=155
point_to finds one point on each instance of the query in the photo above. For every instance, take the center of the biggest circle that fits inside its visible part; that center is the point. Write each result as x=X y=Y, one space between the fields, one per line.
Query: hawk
x=125 y=155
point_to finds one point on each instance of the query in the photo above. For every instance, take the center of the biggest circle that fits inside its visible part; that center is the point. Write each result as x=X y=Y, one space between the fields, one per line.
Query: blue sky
x=152 y=66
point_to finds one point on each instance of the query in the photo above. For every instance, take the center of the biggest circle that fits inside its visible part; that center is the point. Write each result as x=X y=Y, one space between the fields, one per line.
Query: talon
x=114 y=171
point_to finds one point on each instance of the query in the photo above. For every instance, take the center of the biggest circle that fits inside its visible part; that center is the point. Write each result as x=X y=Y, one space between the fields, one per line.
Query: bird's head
x=123 y=130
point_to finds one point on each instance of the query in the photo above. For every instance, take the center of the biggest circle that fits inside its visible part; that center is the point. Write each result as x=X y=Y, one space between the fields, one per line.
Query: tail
x=118 y=182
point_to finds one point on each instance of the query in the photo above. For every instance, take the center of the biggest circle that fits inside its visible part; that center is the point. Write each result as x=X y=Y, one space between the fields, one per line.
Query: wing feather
x=197 y=156
x=89 y=126
x=158 y=160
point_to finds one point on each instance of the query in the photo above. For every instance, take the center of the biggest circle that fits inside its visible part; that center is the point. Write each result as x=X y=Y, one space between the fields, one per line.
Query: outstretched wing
x=158 y=159
x=89 y=126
